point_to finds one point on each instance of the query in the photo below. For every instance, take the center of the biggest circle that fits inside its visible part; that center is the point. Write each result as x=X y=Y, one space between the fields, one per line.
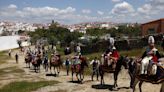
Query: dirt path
x=67 y=86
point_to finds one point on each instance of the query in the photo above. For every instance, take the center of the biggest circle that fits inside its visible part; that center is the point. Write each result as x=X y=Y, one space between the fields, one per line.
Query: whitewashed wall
x=10 y=42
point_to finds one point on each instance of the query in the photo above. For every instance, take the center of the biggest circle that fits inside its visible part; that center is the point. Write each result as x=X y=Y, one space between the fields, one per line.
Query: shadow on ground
x=78 y=82
x=54 y=75
x=105 y=86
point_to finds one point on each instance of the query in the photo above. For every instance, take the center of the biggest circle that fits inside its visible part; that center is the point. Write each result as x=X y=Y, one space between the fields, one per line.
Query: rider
x=150 y=57
x=113 y=54
x=78 y=49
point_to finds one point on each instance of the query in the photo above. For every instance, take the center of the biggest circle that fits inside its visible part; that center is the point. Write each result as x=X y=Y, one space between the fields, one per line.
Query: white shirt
x=97 y=61
x=78 y=48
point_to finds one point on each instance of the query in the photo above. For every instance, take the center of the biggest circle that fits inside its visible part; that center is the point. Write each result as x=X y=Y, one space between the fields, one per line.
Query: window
x=151 y=31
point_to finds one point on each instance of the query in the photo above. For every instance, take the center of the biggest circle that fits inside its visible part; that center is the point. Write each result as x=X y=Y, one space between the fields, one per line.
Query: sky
x=78 y=11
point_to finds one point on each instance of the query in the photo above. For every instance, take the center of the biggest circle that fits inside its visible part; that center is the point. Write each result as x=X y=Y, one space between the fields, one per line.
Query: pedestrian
x=67 y=64
x=9 y=52
x=95 y=67
x=16 y=57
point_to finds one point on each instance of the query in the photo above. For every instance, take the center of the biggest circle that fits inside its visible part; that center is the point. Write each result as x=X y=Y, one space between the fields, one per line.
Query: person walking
x=95 y=67
x=67 y=65
x=9 y=52
x=16 y=57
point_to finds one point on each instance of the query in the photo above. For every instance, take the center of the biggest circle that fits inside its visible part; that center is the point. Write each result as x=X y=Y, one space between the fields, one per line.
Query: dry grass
x=25 y=86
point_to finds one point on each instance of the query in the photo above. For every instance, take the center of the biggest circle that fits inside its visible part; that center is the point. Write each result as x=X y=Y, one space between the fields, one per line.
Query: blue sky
x=76 y=11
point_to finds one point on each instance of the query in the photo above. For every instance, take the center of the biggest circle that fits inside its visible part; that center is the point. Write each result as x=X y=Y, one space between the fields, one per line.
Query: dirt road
x=66 y=86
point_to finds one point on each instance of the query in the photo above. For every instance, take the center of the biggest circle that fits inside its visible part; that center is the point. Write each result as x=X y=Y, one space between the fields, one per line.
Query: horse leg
x=29 y=64
x=97 y=75
x=140 y=85
x=72 y=75
x=80 y=77
x=102 y=76
x=35 y=67
x=93 y=73
x=162 y=87
x=135 y=83
x=38 y=68
x=54 y=70
x=50 y=69
x=115 y=79
x=77 y=77
x=131 y=80
x=58 y=70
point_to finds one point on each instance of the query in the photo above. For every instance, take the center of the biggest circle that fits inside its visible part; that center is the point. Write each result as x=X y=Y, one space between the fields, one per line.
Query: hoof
x=115 y=88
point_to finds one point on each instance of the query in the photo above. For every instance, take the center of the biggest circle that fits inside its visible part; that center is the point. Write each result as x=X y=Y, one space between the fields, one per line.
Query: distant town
x=12 y=28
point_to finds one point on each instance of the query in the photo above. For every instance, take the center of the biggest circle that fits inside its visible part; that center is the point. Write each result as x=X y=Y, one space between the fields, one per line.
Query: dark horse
x=55 y=61
x=36 y=63
x=134 y=71
x=28 y=59
x=122 y=61
x=79 y=69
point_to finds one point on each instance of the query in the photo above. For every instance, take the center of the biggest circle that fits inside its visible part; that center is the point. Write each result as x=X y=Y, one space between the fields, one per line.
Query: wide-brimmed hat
x=151 y=40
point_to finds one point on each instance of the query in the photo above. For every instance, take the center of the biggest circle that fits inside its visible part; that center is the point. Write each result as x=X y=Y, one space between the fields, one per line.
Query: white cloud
x=44 y=14
x=100 y=12
x=12 y=6
x=86 y=11
x=145 y=9
x=116 y=0
x=152 y=7
x=158 y=4
x=122 y=8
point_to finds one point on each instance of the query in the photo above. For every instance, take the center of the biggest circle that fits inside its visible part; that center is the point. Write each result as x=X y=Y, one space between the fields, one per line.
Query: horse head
x=122 y=61
x=84 y=61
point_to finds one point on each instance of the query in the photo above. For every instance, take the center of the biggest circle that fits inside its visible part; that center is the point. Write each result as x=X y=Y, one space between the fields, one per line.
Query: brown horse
x=79 y=69
x=122 y=61
x=134 y=71
x=36 y=62
x=55 y=62
x=28 y=60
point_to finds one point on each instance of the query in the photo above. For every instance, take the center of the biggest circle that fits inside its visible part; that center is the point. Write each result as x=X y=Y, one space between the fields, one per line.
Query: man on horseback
x=112 y=55
x=78 y=49
x=150 y=58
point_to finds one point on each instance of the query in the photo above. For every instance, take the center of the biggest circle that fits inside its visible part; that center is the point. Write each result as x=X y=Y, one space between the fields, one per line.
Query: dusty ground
x=66 y=85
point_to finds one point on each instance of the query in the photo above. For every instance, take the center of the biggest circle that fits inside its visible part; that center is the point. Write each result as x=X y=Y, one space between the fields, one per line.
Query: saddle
x=155 y=79
x=76 y=67
x=107 y=68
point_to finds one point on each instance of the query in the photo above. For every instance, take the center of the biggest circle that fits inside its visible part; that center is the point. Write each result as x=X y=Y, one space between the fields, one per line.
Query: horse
x=55 y=62
x=28 y=60
x=134 y=71
x=122 y=61
x=36 y=62
x=79 y=69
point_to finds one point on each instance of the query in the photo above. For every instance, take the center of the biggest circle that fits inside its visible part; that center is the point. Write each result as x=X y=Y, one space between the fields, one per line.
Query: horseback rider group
x=110 y=60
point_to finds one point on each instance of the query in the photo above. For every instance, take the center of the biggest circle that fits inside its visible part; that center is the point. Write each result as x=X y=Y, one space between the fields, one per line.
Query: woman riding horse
x=55 y=62
x=78 y=66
